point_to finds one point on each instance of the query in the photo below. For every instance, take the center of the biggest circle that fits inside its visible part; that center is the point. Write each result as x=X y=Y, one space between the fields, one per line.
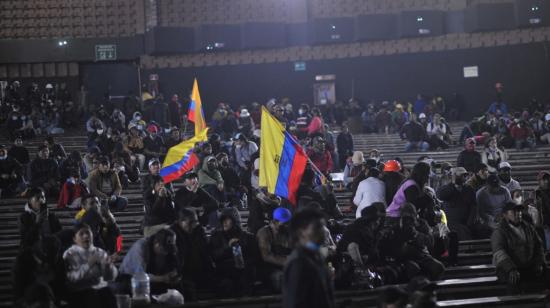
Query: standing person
x=316 y=126
x=469 y=158
x=88 y=270
x=175 y=111
x=319 y=155
x=344 y=145
x=307 y=280
x=392 y=178
x=518 y=252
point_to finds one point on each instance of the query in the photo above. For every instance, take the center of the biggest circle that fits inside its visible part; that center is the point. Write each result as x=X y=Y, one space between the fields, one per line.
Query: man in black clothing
x=45 y=172
x=307 y=281
x=415 y=134
x=191 y=195
x=147 y=181
x=153 y=144
x=518 y=252
x=344 y=145
x=19 y=152
x=57 y=151
x=459 y=203
x=198 y=268
x=37 y=219
x=11 y=180
x=469 y=158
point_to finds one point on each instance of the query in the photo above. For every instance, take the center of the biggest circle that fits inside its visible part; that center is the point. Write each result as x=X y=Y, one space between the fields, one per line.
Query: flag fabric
x=195 y=113
x=282 y=159
x=180 y=158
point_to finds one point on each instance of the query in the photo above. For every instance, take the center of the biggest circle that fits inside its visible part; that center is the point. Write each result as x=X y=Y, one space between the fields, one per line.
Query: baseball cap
x=282 y=215
x=459 y=171
x=190 y=175
x=511 y=206
x=504 y=165
x=422 y=116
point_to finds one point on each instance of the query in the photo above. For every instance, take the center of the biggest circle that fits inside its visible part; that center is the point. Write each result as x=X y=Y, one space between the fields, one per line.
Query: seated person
x=57 y=151
x=490 y=200
x=157 y=256
x=210 y=178
x=102 y=223
x=88 y=270
x=105 y=184
x=37 y=218
x=147 y=181
x=518 y=252
x=153 y=144
x=415 y=134
x=191 y=195
x=192 y=244
x=73 y=161
x=469 y=158
x=19 y=152
x=353 y=167
x=134 y=144
x=505 y=176
x=234 y=191
x=235 y=253
x=370 y=190
x=408 y=241
x=38 y=267
x=73 y=190
x=274 y=244
x=322 y=195
x=160 y=209
x=45 y=172
x=459 y=203
x=11 y=175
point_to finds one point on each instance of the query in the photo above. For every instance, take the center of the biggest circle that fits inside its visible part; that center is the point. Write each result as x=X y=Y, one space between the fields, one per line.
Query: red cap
x=392 y=166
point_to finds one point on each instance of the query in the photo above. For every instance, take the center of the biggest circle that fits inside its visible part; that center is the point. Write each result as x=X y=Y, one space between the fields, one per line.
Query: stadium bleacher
x=470 y=283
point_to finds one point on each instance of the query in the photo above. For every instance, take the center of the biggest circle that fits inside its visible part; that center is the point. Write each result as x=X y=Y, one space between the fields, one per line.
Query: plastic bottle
x=141 y=288
x=238 y=256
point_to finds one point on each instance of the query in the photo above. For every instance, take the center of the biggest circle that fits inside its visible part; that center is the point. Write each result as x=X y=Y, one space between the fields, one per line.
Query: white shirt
x=369 y=191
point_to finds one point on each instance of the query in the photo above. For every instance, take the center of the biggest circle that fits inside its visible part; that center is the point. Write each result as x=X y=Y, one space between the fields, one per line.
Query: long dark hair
x=420 y=173
x=149 y=255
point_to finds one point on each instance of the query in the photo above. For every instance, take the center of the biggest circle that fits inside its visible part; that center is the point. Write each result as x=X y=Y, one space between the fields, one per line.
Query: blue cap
x=282 y=215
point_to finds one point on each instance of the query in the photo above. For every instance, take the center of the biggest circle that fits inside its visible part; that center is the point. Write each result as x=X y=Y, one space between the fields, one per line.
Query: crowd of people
x=408 y=219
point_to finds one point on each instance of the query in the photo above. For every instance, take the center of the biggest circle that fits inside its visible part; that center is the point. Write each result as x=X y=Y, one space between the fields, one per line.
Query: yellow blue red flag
x=180 y=158
x=282 y=159
x=195 y=113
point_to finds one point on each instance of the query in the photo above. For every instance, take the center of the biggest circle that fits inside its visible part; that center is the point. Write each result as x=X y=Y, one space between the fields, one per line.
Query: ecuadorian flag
x=282 y=159
x=180 y=158
x=195 y=113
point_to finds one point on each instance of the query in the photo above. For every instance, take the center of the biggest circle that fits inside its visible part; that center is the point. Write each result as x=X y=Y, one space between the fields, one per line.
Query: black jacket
x=469 y=160
x=21 y=154
x=344 y=143
x=42 y=170
x=458 y=205
x=413 y=132
x=30 y=227
x=200 y=198
x=159 y=210
x=306 y=281
x=194 y=253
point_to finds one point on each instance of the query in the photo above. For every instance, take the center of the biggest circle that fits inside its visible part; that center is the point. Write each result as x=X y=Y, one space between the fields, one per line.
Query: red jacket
x=323 y=161
x=520 y=133
x=70 y=192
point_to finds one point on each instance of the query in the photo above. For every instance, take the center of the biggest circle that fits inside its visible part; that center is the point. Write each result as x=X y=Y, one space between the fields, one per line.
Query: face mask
x=301 y=111
x=3 y=157
x=140 y=127
x=23 y=118
x=99 y=131
x=108 y=136
x=138 y=118
x=14 y=118
x=166 y=130
x=518 y=200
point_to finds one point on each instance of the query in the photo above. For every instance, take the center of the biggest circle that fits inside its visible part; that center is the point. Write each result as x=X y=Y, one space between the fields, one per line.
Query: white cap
x=244 y=113
x=547 y=117
x=504 y=164
x=49 y=86
x=422 y=116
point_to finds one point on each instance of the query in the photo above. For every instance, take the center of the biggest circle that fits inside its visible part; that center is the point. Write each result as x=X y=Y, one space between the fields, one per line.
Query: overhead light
x=62 y=43
x=333 y=27
x=534 y=8
x=419 y=19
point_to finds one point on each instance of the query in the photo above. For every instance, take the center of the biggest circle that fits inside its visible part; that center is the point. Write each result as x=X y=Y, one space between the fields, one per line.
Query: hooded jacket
x=511 y=252
x=208 y=176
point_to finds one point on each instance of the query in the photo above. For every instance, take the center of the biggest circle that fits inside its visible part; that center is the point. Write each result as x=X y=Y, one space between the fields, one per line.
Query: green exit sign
x=105 y=52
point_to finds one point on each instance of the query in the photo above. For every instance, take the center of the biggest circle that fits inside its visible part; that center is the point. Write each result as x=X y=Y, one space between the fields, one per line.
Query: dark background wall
x=523 y=69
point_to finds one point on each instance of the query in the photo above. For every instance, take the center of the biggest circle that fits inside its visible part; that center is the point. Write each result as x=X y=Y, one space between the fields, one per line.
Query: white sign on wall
x=471 y=72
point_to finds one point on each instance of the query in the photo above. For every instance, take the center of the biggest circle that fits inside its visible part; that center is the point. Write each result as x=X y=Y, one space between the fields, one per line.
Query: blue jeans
x=417 y=145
